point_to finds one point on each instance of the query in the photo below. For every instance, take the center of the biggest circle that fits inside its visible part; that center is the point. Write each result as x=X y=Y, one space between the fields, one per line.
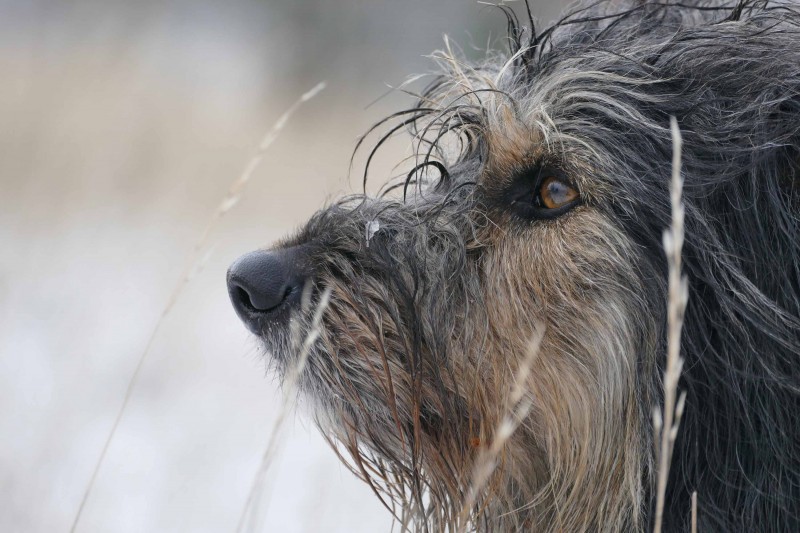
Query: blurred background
x=122 y=125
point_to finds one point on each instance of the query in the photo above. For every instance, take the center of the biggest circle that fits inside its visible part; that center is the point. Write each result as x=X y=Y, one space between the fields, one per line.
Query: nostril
x=244 y=298
x=259 y=301
x=260 y=283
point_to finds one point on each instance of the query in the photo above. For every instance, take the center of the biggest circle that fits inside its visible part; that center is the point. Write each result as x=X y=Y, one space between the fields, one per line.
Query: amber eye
x=554 y=193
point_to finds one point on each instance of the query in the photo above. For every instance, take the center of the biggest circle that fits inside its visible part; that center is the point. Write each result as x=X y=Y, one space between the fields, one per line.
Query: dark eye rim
x=524 y=192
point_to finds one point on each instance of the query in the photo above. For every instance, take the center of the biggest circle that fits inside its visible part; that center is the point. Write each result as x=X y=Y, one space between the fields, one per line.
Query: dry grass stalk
x=194 y=265
x=290 y=383
x=518 y=406
x=666 y=425
x=694 y=512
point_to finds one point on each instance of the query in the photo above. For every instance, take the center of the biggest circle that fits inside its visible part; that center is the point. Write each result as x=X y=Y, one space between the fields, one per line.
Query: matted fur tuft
x=439 y=285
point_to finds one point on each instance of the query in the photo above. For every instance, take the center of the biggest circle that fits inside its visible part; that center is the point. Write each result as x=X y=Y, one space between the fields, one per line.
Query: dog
x=533 y=218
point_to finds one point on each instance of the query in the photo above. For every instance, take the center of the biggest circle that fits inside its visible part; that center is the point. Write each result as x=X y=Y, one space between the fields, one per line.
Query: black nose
x=265 y=285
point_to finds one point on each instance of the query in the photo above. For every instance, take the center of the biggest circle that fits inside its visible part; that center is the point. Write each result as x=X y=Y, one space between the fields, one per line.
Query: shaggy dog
x=534 y=215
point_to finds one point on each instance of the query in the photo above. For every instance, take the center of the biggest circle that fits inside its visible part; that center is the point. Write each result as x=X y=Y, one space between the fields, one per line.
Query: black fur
x=731 y=75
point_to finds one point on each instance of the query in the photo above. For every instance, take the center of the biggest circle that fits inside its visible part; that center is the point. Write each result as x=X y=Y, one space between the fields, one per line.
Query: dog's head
x=523 y=251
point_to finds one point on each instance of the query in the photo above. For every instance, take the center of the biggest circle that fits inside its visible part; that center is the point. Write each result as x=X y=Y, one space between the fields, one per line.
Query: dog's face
x=533 y=216
x=437 y=296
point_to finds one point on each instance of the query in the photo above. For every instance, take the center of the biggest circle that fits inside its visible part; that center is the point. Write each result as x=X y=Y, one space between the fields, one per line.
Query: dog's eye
x=554 y=193
x=541 y=192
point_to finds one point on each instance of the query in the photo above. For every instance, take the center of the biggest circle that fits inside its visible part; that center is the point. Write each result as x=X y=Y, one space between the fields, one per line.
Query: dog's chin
x=289 y=355
x=281 y=354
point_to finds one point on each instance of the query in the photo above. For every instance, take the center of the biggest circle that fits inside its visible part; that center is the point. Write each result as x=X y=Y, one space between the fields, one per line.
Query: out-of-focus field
x=122 y=125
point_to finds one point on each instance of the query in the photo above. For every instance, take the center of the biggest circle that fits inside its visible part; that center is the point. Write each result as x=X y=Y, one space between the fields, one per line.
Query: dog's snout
x=260 y=280
x=265 y=284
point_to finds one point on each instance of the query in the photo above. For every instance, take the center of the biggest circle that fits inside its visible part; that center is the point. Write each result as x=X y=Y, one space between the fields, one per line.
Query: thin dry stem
x=194 y=264
x=518 y=407
x=289 y=394
x=694 y=512
x=667 y=425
